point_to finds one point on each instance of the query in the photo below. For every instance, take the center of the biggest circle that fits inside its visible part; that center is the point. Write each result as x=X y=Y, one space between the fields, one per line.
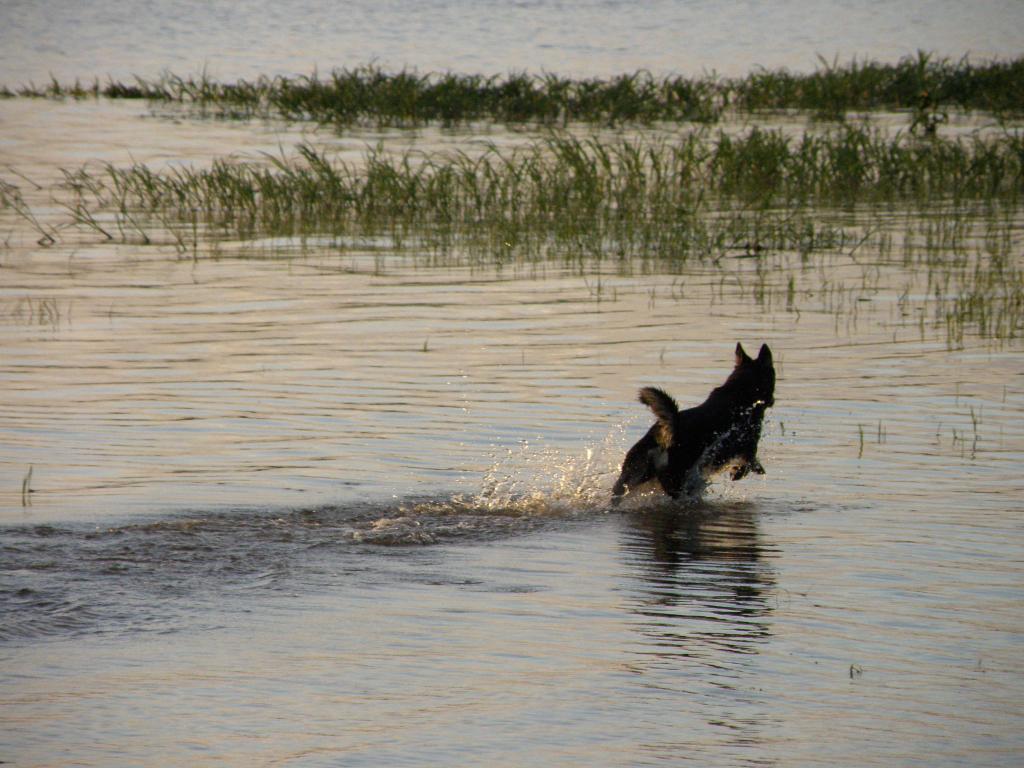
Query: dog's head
x=754 y=378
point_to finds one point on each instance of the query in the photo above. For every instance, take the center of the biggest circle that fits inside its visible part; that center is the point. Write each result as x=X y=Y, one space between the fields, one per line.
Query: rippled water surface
x=324 y=503
x=97 y=38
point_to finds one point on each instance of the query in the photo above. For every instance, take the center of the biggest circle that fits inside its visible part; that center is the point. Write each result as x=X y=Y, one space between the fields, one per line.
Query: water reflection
x=703 y=599
x=705 y=564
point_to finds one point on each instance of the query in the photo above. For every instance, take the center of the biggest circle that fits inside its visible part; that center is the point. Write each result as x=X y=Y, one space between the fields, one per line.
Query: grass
x=369 y=94
x=857 y=163
x=640 y=196
x=946 y=210
x=578 y=196
x=990 y=301
x=786 y=210
x=26 y=489
x=11 y=198
x=925 y=86
x=921 y=83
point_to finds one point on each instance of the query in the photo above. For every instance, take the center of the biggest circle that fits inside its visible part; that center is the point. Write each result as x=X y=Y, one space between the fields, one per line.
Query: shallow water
x=579 y=38
x=327 y=504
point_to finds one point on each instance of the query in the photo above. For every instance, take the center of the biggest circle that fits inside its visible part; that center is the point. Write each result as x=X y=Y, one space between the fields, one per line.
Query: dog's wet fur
x=685 y=447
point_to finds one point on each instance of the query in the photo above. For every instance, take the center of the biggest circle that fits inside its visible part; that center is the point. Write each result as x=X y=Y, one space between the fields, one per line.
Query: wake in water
x=61 y=580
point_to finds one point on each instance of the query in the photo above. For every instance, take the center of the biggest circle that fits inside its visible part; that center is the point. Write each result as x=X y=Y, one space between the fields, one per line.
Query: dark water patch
x=154 y=575
x=142 y=575
x=704 y=579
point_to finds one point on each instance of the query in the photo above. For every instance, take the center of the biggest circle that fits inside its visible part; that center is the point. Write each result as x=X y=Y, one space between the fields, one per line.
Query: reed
x=855 y=162
x=11 y=198
x=623 y=190
x=26 y=489
x=579 y=196
x=54 y=90
x=920 y=83
x=945 y=212
x=988 y=300
x=925 y=86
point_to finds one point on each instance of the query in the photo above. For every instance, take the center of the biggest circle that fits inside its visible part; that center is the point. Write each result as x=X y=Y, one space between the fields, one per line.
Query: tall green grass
x=369 y=94
x=705 y=194
x=918 y=82
x=618 y=178
x=793 y=215
x=922 y=84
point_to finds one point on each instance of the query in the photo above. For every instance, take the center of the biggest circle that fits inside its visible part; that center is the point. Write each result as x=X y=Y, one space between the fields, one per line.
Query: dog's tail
x=665 y=410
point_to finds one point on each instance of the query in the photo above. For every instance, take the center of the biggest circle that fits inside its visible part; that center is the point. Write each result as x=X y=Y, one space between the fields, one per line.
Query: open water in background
x=323 y=504
x=69 y=39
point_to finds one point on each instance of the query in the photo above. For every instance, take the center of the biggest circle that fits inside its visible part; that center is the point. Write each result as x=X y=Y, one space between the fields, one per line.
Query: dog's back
x=684 y=446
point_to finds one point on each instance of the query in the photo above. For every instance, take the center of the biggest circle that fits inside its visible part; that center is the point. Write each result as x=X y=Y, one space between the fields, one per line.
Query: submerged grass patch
x=622 y=196
x=921 y=83
x=774 y=206
x=370 y=94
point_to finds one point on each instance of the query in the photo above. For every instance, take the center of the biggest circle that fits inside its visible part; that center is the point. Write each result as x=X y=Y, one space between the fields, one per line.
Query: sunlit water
x=99 y=38
x=323 y=504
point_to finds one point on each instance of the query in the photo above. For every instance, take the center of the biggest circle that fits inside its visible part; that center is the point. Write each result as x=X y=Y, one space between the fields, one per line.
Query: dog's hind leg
x=649 y=456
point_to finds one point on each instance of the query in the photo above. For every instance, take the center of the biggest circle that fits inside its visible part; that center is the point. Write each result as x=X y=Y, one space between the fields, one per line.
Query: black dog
x=684 y=447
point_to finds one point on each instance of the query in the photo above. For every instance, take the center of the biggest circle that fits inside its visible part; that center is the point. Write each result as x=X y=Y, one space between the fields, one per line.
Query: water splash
x=531 y=478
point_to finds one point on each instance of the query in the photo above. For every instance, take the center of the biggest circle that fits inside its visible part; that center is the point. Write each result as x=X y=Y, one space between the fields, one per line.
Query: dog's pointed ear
x=764 y=357
x=741 y=356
